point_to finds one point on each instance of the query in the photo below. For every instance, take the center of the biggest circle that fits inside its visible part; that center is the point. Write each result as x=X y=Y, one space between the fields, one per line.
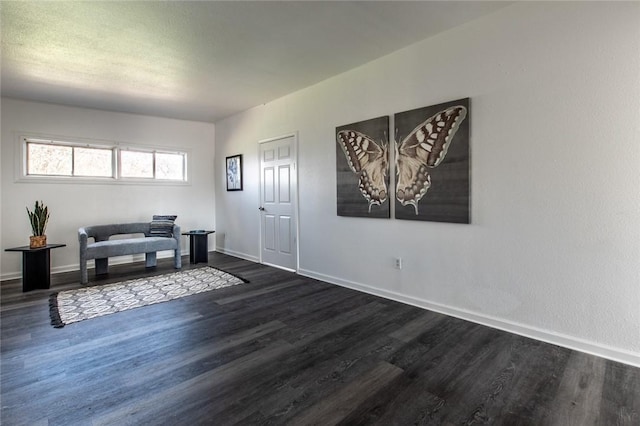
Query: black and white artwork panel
x=433 y=163
x=362 y=167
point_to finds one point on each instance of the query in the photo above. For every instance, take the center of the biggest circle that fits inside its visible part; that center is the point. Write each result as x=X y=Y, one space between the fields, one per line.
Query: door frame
x=296 y=212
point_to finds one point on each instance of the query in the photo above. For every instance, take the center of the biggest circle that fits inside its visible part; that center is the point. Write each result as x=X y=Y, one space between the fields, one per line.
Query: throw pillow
x=162 y=226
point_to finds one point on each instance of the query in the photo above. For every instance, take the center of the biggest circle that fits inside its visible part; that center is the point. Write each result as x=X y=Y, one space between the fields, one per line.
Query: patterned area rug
x=71 y=306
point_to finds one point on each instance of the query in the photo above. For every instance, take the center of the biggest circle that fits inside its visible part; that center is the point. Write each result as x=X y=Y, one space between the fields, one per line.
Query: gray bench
x=103 y=248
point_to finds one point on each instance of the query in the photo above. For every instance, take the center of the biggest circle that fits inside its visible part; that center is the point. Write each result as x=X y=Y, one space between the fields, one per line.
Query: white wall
x=74 y=205
x=553 y=251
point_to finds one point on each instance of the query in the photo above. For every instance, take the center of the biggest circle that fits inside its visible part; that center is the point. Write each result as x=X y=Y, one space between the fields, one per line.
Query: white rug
x=71 y=306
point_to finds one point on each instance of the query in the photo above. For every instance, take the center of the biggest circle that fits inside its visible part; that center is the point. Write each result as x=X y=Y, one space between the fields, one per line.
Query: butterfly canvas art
x=432 y=162
x=432 y=165
x=362 y=164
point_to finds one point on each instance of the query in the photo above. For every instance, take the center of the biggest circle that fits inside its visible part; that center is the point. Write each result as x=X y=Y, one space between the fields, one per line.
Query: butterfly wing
x=424 y=148
x=370 y=161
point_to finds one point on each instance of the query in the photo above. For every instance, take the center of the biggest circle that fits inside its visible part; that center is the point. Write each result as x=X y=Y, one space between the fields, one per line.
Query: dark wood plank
x=572 y=405
x=286 y=349
x=338 y=405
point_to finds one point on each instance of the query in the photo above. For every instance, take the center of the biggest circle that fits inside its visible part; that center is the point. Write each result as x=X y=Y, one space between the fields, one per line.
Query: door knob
x=261 y=208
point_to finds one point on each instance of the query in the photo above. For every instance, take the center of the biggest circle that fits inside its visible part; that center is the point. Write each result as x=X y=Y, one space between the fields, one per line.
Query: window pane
x=92 y=162
x=136 y=164
x=169 y=166
x=48 y=160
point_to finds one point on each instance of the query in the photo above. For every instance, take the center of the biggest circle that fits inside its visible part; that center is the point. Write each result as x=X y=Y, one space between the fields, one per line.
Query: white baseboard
x=559 y=339
x=238 y=254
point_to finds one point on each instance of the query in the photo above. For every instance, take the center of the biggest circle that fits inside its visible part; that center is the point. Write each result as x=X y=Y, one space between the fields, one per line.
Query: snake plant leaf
x=38 y=218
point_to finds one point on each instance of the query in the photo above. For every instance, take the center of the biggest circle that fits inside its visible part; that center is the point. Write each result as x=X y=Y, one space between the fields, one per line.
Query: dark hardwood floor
x=286 y=349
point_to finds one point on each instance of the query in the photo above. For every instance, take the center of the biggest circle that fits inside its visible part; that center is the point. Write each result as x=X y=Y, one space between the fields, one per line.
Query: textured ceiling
x=202 y=60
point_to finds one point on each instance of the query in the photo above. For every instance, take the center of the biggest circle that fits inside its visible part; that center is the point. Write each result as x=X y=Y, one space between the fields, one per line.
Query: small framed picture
x=234 y=173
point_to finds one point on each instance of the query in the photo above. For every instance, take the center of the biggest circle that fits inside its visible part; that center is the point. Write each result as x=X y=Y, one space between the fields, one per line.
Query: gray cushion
x=126 y=246
x=162 y=225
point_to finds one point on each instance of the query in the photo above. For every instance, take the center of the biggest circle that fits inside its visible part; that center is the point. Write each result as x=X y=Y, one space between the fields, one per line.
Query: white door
x=278 y=196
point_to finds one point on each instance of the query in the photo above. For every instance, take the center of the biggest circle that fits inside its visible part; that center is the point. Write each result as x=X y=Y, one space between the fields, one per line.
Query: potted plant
x=38 y=218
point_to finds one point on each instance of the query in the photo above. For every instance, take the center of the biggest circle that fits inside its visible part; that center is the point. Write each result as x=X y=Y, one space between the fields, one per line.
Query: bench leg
x=102 y=266
x=84 y=276
x=150 y=259
x=177 y=259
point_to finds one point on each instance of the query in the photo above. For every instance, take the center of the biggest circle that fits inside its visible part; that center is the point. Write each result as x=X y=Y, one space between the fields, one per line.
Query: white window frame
x=22 y=161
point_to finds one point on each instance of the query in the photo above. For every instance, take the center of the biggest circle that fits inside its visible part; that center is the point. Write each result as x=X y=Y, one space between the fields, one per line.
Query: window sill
x=76 y=180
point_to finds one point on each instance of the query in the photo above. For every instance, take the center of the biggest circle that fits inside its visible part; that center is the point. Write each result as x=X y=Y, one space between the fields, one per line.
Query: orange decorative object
x=37 y=241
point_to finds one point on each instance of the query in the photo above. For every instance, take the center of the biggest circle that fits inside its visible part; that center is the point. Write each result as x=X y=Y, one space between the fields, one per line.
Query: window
x=134 y=164
x=152 y=165
x=169 y=166
x=93 y=162
x=49 y=158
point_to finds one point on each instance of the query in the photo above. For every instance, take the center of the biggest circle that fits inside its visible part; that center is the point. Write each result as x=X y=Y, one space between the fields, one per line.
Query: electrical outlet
x=398 y=263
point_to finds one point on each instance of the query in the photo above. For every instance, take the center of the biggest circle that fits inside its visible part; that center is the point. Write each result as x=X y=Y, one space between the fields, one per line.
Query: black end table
x=198 y=246
x=36 y=266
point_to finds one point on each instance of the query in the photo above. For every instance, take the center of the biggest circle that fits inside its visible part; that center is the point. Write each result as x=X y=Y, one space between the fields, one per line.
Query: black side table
x=198 y=246
x=36 y=266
